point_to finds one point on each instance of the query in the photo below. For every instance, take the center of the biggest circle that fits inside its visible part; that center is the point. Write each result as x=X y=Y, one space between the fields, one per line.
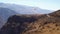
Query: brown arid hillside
x=33 y=24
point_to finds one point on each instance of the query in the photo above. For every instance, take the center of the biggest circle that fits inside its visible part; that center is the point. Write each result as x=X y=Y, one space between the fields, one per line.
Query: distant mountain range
x=24 y=9
x=7 y=10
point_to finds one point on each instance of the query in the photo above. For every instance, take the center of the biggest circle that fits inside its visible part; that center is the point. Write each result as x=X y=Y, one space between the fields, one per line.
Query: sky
x=44 y=4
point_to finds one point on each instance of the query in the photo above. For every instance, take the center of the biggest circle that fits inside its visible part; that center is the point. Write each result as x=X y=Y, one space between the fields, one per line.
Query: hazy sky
x=44 y=4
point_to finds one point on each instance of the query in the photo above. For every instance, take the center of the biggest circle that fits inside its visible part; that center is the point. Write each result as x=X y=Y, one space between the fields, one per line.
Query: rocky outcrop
x=33 y=24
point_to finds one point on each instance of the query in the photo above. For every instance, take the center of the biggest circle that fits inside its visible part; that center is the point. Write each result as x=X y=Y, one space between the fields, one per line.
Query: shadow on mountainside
x=33 y=24
x=16 y=24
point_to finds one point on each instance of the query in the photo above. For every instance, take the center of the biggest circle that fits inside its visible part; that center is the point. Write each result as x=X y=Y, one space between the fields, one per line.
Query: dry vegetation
x=33 y=24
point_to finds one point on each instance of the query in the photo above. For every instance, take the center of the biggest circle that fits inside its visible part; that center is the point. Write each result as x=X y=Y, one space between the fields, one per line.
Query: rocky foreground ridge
x=33 y=24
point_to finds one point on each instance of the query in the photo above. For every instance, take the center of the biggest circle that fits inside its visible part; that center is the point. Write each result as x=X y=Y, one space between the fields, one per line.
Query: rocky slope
x=33 y=24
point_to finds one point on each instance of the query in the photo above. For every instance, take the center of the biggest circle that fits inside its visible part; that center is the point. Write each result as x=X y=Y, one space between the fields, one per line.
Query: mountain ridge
x=32 y=24
x=7 y=10
x=24 y=9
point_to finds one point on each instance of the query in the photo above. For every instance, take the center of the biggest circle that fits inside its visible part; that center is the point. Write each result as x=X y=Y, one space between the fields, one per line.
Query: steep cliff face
x=33 y=24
